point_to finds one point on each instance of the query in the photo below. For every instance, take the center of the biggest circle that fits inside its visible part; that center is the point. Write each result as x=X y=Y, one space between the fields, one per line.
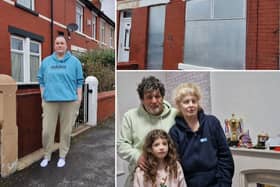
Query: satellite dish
x=71 y=27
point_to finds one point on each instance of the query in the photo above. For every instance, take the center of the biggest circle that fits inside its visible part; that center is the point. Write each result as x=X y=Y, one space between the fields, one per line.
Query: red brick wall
x=10 y=16
x=16 y=17
x=87 y=29
x=5 y=67
x=262 y=35
x=262 y=43
x=174 y=34
x=44 y=7
x=139 y=37
x=96 y=3
x=106 y=105
x=127 y=66
x=118 y=32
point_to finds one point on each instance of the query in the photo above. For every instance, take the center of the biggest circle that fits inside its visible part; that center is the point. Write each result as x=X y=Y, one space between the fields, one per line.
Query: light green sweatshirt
x=135 y=126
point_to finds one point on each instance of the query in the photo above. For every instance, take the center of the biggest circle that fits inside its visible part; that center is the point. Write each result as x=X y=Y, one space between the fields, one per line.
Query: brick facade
x=106 y=100
x=262 y=45
x=174 y=34
x=262 y=35
x=38 y=22
x=139 y=37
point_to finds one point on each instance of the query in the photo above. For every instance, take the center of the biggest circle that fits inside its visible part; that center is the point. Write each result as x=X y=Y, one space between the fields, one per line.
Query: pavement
x=90 y=162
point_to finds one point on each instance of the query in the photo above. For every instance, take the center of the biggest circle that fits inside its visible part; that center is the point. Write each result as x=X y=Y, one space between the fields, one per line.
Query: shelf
x=254 y=151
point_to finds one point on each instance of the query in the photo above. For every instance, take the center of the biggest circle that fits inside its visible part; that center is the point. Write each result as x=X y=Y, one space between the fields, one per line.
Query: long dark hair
x=152 y=162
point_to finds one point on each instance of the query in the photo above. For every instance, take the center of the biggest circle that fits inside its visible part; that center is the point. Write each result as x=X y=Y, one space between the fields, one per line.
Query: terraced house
x=28 y=28
x=198 y=34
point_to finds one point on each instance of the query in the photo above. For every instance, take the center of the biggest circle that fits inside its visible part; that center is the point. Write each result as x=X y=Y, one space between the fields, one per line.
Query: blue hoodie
x=204 y=155
x=60 y=78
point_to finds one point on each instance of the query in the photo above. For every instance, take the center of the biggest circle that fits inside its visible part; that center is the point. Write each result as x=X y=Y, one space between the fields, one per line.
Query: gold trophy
x=233 y=129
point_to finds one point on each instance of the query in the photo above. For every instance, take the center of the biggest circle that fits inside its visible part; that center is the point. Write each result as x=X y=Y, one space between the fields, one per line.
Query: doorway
x=124 y=36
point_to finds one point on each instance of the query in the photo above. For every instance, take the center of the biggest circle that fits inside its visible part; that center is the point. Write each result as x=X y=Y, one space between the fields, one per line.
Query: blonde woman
x=200 y=142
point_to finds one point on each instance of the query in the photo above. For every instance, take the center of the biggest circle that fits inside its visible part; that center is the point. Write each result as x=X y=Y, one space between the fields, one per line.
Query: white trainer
x=44 y=162
x=61 y=163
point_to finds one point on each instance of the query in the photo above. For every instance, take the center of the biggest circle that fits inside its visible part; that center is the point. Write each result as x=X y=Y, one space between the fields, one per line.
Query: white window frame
x=35 y=54
x=94 y=18
x=26 y=57
x=80 y=15
x=23 y=3
x=102 y=31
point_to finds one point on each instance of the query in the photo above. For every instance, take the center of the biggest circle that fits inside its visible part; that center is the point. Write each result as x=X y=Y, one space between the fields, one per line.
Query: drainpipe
x=51 y=26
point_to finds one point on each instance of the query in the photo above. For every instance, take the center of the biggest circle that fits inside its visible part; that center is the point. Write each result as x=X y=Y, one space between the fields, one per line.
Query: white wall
x=253 y=96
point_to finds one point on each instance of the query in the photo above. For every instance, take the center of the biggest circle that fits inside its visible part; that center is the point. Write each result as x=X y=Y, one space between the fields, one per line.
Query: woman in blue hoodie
x=201 y=144
x=61 y=79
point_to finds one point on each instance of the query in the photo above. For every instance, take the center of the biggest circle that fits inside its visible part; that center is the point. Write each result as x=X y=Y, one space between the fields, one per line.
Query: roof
x=92 y=7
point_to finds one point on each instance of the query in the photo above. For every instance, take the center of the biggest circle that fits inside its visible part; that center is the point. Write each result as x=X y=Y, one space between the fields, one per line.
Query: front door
x=124 y=36
x=156 y=37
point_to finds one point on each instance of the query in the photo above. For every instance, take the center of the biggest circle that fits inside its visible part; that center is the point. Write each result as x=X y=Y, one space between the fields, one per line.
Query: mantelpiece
x=255 y=166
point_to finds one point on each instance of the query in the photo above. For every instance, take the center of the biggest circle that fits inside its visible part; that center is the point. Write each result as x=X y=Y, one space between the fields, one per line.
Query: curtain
x=17 y=66
x=34 y=67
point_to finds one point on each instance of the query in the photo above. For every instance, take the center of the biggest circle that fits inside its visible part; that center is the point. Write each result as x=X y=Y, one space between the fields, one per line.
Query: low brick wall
x=106 y=105
x=127 y=66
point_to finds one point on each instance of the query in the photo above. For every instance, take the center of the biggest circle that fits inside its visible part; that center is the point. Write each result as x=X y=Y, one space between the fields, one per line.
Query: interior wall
x=253 y=96
x=202 y=79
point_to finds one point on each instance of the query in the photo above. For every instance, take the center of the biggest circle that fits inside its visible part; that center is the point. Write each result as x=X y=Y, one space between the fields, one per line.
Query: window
x=102 y=31
x=215 y=34
x=112 y=37
x=94 y=26
x=25 y=59
x=35 y=57
x=127 y=14
x=27 y=3
x=79 y=17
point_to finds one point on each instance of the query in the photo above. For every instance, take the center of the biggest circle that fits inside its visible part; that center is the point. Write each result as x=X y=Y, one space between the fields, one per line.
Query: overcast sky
x=108 y=7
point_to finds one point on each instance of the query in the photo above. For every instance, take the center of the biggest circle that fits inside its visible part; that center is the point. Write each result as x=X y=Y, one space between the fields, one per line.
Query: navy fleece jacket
x=204 y=155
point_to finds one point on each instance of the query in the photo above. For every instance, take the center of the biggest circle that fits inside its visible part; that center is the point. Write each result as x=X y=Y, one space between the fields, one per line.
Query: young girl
x=162 y=167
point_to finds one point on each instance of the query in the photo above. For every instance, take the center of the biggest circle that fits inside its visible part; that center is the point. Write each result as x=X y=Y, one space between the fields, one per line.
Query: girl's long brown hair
x=152 y=162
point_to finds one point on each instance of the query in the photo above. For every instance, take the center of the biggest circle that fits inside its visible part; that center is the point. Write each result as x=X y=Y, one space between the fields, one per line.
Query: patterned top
x=163 y=179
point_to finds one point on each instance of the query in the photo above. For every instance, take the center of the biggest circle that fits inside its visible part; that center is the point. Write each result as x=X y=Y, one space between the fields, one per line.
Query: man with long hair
x=153 y=113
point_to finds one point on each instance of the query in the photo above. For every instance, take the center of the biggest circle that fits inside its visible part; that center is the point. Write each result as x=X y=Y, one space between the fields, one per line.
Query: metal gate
x=83 y=111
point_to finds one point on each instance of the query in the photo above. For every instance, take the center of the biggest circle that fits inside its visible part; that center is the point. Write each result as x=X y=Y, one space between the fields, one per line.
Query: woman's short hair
x=185 y=89
x=149 y=84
